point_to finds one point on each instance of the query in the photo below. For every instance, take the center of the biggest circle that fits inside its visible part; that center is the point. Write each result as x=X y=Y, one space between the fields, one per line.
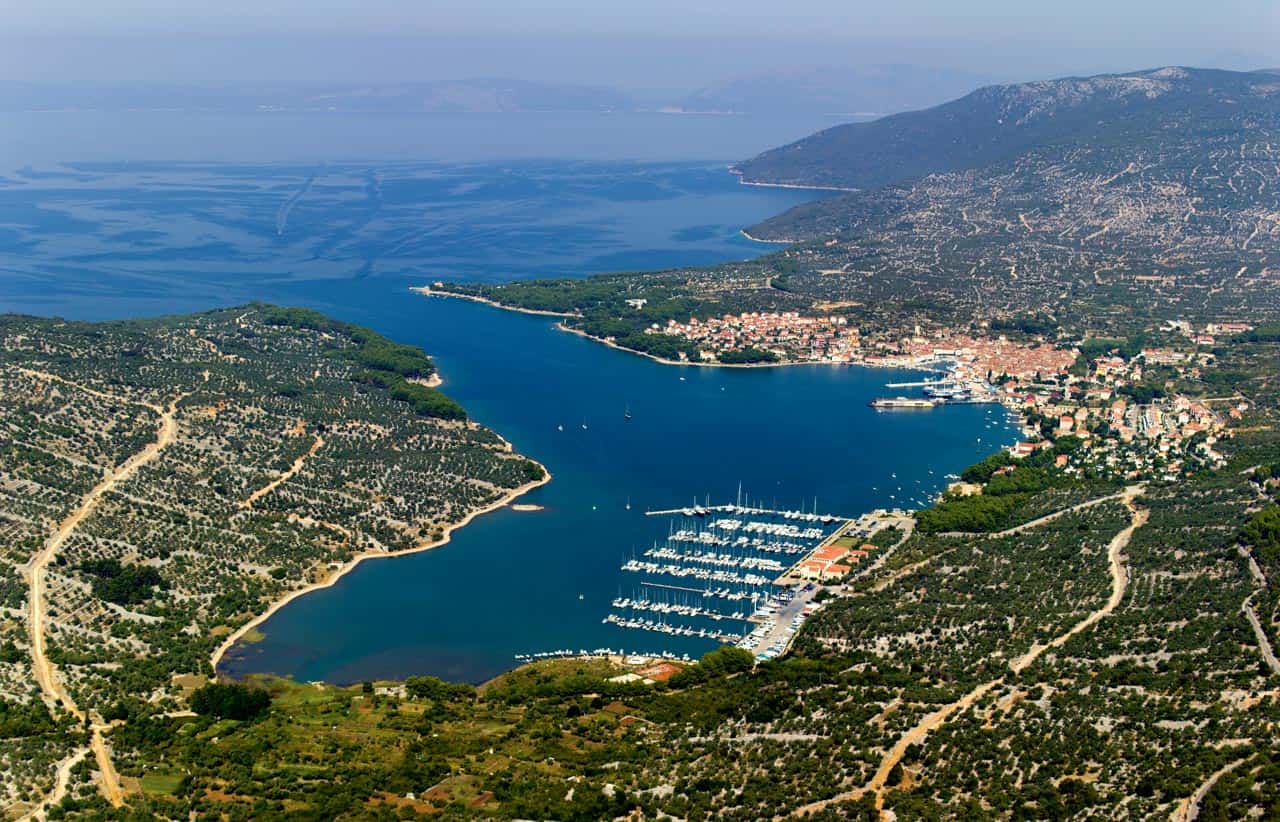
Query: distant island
x=860 y=92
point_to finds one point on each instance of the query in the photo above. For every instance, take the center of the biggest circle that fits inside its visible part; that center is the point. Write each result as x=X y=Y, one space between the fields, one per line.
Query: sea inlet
x=95 y=233
x=524 y=582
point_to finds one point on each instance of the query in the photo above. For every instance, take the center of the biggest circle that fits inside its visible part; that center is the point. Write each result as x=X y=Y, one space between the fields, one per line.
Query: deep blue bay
x=104 y=229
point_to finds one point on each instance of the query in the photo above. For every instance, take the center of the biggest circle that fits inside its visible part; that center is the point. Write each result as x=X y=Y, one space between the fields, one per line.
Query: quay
x=918 y=384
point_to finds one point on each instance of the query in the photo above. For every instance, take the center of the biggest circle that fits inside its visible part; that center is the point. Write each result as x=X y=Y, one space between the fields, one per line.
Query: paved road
x=782 y=631
x=1189 y=809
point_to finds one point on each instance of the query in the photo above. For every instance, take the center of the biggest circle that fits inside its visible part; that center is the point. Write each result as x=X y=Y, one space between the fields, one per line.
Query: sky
x=634 y=44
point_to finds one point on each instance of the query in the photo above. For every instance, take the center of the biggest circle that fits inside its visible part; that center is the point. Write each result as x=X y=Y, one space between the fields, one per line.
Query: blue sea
x=108 y=216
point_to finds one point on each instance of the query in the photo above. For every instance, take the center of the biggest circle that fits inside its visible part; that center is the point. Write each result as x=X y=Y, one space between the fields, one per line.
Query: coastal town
x=749 y=576
x=1122 y=413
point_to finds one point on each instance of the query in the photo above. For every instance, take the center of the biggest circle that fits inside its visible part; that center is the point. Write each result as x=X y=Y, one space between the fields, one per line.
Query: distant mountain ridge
x=833 y=90
x=858 y=91
x=998 y=122
x=478 y=95
x=475 y=95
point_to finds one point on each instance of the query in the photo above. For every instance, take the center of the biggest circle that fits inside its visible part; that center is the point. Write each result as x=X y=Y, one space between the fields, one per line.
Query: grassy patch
x=161 y=784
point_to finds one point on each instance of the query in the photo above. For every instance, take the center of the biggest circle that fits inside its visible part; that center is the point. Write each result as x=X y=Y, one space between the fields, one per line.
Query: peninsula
x=170 y=483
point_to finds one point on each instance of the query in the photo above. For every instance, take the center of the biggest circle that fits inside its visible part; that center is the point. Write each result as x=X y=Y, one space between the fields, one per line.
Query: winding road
x=1264 y=644
x=1189 y=809
x=918 y=733
x=35 y=570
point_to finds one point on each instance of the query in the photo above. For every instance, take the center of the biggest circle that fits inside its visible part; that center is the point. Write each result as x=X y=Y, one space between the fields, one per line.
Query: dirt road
x=37 y=608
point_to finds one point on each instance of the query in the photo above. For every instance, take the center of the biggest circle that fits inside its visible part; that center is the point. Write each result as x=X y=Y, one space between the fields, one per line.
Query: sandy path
x=60 y=786
x=1047 y=518
x=1127 y=493
x=108 y=779
x=286 y=476
x=43 y=668
x=1119 y=582
x=45 y=375
x=917 y=734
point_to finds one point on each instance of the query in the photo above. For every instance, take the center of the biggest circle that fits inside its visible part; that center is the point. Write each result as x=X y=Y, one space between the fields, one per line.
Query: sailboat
x=628 y=503
x=626 y=412
x=584 y=425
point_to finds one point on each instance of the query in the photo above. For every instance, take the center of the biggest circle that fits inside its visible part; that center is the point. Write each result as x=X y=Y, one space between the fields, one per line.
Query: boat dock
x=724 y=569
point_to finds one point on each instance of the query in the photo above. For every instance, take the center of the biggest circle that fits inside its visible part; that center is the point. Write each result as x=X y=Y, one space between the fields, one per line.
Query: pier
x=726 y=573
x=918 y=384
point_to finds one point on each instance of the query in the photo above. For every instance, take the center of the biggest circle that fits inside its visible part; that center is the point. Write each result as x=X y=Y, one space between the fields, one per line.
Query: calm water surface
x=101 y=228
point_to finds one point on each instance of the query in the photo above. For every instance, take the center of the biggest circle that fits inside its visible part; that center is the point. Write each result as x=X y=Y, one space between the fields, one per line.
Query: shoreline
x=579 y=332
x=754 y=239
x=782 y=364
x=507 y=499
x=734 y=170
x=560 y=326
x=215 y=659
x=426 y=291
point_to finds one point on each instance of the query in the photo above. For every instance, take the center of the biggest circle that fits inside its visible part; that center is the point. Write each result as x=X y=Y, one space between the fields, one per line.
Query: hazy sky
x=637 y=43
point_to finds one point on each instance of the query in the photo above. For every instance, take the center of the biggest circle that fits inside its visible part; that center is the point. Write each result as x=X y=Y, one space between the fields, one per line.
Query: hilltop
x=996 y=123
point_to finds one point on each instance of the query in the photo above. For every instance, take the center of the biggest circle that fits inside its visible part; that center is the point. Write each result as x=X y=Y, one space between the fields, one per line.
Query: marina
x=740 y=574
x=939 y=392
x=722 y=570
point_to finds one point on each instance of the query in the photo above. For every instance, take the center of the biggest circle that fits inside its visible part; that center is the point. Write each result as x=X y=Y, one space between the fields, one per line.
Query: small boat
x=560 y=427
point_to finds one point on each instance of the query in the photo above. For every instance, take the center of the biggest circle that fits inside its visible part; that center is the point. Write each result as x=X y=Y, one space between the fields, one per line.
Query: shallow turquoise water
x=100 y=233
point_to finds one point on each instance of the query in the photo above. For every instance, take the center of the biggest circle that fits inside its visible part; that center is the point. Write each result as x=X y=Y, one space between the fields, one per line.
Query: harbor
x=550 y=576
x=950 y=389
x=739 y=574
